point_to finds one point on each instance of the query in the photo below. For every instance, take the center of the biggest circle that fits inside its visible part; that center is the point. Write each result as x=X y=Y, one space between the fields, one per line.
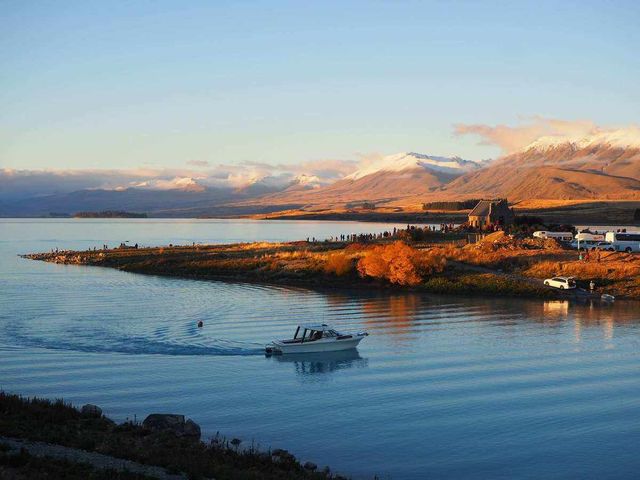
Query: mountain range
x=602 y=169
x=566 y=171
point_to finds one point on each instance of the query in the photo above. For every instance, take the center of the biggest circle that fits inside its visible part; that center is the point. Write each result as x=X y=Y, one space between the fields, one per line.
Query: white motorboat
x=315 y=338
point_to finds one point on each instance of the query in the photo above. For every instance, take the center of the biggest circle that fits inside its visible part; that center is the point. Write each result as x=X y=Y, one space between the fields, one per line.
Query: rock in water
x=90 y=410
x=176 y=424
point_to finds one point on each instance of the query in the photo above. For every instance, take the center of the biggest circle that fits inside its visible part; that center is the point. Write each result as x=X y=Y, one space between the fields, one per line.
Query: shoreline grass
x=413 y=260
x=58 y=422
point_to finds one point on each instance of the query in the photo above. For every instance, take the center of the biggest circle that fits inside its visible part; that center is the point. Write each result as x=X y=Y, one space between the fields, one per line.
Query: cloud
x=325 y=169
x=547 y=131
x=20 y=184
x=198 y=163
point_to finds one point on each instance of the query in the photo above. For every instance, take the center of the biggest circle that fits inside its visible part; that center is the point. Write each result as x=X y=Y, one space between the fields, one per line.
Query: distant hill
x=390 y=178
x=563 y=172
x=582 y=170
x=109 y=214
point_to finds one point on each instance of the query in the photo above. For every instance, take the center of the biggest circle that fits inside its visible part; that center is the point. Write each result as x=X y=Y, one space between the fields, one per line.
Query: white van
x=589 y=237
x=562 y=236
x=624 y=241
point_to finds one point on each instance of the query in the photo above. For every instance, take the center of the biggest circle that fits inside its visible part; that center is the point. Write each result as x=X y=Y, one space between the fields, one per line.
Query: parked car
x=608 y=246
x=563 y=283
x=584 y=244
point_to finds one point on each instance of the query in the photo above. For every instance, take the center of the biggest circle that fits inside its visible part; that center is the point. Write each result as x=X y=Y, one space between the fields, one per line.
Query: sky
x=190 y=84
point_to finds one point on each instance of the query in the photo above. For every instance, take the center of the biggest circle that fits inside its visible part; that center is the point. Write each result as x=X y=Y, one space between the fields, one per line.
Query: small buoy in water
x=200 y=324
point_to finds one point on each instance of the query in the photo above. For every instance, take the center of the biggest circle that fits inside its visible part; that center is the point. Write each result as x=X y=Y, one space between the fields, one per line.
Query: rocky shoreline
x=38 y=435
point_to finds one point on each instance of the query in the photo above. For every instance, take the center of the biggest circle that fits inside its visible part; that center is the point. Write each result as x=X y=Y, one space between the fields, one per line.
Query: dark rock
x=191 y=429
x=168 y=422
x=310 y=466
x=164 y=421
x=282 y=456
x=278 y=452
x=90 y=410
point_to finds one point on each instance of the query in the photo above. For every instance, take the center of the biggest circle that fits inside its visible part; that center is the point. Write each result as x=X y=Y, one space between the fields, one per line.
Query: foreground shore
x=439 y=263
x=44 y=439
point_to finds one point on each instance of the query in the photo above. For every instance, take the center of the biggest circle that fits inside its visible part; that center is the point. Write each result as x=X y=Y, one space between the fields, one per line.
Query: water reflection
x=399 y=312
x=399 y=319
x=556 y=308
x=323 y=363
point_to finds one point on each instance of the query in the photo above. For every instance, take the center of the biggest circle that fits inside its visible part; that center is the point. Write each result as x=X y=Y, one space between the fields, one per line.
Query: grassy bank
x=23 y=466
x=61 y=424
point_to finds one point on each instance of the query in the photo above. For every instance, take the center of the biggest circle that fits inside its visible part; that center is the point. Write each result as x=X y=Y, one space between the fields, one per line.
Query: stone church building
x=490 y=214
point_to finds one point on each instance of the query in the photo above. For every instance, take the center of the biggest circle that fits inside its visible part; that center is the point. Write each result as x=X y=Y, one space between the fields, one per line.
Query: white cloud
x=541 y=131
x=15 y=184
x=198 y=163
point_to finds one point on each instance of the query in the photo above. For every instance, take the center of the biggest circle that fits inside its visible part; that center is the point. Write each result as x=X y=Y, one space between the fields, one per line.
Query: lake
x=444 y=387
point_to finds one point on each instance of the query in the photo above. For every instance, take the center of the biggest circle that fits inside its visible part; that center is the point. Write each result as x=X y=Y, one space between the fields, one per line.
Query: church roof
x=483 y=208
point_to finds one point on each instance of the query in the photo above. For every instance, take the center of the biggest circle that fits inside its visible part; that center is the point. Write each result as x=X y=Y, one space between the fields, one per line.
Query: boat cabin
x=312 y=333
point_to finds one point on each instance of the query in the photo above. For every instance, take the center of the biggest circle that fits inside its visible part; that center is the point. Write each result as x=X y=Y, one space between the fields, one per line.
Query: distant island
x=109 y=214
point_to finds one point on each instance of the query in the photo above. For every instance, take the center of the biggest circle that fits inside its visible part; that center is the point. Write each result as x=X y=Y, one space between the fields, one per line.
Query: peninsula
x=413 y=259
x=109 y=214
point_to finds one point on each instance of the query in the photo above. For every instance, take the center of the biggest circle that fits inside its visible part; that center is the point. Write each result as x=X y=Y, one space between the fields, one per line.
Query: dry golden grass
x=503 y=252
x=616 y=266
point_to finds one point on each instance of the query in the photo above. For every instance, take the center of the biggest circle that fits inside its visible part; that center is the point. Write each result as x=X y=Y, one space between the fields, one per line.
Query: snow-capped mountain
x=411 y=160
x=602 y=166
x=308 y=181
x=188 y=184
x=621 y=138
x=305 y=182
x=389 y=178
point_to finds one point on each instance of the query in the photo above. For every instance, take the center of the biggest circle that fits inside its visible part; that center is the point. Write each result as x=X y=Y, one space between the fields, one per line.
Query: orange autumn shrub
x=338 y=264
x=396 y=263
x=428 y=262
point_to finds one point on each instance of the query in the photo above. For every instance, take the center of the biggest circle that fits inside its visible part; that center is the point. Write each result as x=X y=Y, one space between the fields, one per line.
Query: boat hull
x=317 y=346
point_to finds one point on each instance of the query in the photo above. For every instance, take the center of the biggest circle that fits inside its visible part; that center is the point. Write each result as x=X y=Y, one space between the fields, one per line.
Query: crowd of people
x=387 y=234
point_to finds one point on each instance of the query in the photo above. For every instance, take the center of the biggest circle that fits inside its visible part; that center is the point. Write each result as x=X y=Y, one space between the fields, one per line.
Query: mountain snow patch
x=412 y=161
x=628 y=137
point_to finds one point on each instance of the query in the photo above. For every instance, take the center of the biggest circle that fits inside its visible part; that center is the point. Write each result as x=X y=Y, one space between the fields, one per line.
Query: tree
x=394 y=263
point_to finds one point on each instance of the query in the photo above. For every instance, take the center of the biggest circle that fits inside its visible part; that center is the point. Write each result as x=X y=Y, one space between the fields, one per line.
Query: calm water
x=445 y=387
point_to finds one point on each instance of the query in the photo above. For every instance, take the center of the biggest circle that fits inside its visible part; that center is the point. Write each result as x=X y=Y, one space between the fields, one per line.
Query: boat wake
x=144 y=346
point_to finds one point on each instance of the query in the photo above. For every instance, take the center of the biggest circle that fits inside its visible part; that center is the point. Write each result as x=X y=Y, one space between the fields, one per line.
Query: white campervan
x=589 y=237
x=562 y=236
x=624 y=241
